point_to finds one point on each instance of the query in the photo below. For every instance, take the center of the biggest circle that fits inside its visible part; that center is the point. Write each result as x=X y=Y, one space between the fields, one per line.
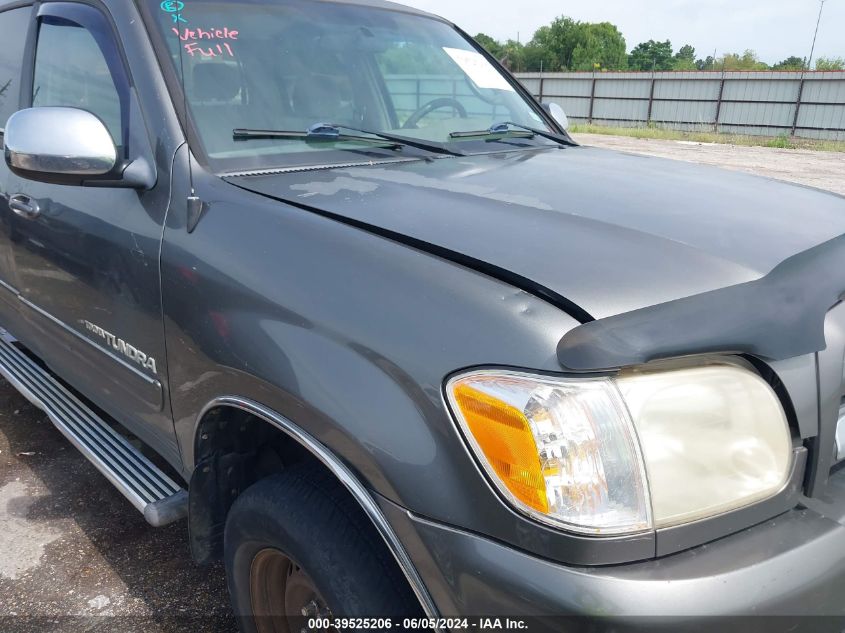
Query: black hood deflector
x=776 y=317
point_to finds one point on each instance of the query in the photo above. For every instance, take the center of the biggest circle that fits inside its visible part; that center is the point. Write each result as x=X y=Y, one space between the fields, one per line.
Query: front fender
x=350 y=336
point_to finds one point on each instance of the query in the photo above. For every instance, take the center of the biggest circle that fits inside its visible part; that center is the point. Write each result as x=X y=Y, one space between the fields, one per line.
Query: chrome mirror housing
x=559 y=115
x=58 y=144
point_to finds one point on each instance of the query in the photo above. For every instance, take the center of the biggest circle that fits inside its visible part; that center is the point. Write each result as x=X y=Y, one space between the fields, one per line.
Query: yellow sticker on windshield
x=482 y=73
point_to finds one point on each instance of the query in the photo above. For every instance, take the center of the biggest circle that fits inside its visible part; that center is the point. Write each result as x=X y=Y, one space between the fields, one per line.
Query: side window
x=14 y=25
x=72 y=69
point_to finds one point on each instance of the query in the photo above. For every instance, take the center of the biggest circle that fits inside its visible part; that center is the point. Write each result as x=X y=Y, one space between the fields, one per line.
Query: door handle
x=24 y=206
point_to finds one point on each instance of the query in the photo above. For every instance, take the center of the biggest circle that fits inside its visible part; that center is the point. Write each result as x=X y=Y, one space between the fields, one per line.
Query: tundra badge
x=122 y=347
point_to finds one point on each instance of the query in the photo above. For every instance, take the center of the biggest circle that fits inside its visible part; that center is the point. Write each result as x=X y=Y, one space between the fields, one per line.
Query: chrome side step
x=153 y=493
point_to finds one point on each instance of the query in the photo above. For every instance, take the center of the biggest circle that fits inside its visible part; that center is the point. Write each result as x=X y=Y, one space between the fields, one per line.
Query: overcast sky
x=775 y=29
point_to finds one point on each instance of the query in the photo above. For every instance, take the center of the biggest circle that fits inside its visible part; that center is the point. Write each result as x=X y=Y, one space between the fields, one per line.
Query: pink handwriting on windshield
x=213 y=51
x=225 y=33
x=194 y=36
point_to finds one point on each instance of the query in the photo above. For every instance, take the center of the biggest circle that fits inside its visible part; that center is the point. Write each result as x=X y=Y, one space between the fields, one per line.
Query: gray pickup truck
x=322 y=278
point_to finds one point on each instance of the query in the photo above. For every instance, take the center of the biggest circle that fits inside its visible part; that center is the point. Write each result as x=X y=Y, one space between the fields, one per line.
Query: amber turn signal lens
x=504 y=436
x=560 y=450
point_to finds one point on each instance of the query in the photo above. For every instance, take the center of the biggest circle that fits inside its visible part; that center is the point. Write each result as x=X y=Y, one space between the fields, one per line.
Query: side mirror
x=557 y=113
x=66 y=146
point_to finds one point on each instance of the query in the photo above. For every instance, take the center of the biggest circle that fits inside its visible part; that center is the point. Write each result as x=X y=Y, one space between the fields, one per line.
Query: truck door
x=87 y=261
x=14 y=24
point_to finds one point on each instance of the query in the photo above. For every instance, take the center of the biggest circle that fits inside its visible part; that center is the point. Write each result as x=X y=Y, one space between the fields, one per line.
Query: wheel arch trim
x=346 y=477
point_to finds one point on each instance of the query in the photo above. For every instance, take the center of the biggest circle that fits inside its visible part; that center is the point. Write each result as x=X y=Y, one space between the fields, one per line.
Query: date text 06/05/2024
x=415 y=624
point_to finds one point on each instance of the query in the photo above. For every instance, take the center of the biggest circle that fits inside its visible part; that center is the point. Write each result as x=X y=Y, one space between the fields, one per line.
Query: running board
x=154 y=494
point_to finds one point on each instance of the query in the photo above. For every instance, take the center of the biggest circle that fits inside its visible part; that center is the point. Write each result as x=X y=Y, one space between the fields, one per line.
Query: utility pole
x=809 y=66
x=815 y=35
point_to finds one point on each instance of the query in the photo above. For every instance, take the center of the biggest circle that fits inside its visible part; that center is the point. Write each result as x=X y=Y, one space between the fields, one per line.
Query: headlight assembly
x=630 y=453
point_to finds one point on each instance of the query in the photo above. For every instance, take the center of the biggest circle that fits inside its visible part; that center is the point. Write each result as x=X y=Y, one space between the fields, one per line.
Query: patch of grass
x=781 y=142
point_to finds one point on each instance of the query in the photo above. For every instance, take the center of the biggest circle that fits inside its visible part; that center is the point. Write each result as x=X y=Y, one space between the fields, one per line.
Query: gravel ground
x=75 y=556
x=825 y=170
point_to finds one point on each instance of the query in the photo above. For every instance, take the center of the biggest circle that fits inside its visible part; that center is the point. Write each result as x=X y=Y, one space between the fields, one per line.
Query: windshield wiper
x=429 y=146
x=329 y=132
x=316 y=133
x=505 y=128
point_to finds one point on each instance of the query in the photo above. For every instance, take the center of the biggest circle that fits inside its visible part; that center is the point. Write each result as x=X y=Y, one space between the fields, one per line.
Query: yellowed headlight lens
x=714 y=439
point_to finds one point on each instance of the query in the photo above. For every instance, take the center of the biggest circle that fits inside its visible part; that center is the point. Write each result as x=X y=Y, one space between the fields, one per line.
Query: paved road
x=73 y=551
x=825 y=170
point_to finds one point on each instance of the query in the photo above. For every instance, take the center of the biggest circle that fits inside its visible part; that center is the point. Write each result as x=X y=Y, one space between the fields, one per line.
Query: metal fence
x=409 y=92
x=810 y=105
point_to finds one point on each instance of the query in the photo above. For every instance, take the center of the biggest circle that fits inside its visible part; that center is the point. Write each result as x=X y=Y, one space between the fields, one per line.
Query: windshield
x=263 y=65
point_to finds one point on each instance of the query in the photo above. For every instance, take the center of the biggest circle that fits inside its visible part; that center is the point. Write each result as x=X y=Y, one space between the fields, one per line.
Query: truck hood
x=610 y=232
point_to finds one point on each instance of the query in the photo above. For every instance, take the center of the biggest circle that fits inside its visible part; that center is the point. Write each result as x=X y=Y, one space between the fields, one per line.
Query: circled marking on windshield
x=174 y=8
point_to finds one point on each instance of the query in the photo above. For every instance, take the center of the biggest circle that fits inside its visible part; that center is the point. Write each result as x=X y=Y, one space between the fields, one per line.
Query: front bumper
x=791 y=569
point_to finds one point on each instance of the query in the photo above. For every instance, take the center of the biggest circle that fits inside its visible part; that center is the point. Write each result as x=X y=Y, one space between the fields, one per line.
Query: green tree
x=790 y=63
x=513 y=56
x=567 y=44
x=830 y=63
x=747 y=61
x=559 y=40
x=708 y=63
x=651 y=55
x=491 y=45
x=684 y=59
x=537 y=56
x=599 y=46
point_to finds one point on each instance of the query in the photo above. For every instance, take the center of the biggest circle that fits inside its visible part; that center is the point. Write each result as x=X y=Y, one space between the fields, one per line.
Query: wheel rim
x=279 y=590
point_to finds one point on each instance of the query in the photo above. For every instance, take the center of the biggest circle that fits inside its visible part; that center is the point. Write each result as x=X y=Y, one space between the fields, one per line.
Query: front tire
x=297 y=545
